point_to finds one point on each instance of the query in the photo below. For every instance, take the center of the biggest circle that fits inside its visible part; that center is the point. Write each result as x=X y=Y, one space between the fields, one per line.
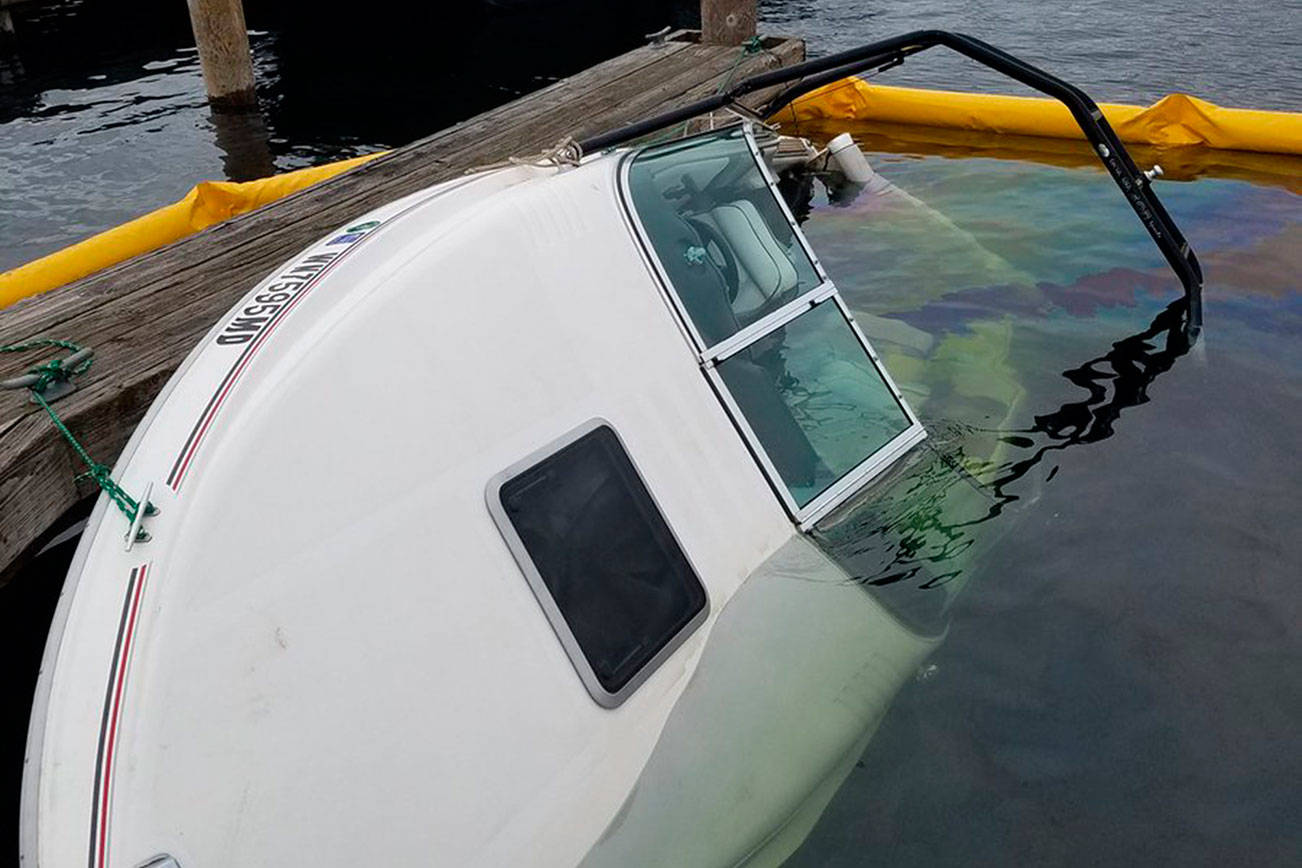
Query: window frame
x=710 y=356
x=555 y=617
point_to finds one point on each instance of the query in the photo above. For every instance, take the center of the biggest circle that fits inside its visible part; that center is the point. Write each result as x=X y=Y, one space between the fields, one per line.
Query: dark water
x=1234 y=52
x=103 y=114
x=1119 y=684
x=26 y=606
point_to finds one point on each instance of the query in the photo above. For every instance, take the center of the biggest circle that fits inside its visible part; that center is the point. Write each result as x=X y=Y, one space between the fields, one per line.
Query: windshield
x=783 y=353
x=721 y=236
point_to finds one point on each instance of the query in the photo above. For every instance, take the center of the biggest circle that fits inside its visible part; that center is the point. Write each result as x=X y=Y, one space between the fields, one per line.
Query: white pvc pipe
x=849 y=159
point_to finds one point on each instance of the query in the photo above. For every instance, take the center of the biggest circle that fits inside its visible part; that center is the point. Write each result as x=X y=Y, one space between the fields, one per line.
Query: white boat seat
x=764 y=269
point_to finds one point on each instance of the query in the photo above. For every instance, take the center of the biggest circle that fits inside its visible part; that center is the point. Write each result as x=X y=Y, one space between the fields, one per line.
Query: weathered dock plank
x=144 y=315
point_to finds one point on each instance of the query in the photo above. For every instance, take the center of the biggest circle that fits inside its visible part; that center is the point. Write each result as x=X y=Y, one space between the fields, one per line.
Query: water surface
x=1235 y=53
x=1119 y=681
x=1118 y=684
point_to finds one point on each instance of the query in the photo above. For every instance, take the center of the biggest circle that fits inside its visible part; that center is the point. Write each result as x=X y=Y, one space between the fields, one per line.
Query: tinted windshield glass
x=719 y=232
x=814 y=399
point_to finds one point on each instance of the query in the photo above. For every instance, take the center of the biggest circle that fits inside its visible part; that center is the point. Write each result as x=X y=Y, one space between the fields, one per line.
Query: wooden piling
x=727 y=22
x=6 y=19
x=223 y=43
x=144 y=315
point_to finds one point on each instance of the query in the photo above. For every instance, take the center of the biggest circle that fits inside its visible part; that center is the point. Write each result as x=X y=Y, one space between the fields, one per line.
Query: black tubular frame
x=891 y=52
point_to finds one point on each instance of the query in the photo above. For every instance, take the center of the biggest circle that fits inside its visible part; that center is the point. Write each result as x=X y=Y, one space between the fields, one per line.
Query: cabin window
x=799 y=379
x=600 y=557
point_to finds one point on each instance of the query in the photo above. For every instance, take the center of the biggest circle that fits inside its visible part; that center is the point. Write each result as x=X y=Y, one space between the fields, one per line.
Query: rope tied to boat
x=55 y=373
x=754 y=45
x=566 y=152
x=749 y=48
x=40 y=377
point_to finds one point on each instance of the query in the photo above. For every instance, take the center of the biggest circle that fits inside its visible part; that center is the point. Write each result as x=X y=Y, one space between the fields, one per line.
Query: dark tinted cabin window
x=604 y=553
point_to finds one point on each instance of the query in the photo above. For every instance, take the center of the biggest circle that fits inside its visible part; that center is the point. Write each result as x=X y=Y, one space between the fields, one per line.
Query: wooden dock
x=143 y=316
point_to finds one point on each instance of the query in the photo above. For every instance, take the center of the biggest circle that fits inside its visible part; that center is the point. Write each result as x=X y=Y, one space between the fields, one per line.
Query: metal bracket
x=659 y=39
x=747 y=114
x=162 y=860
x=137 y=533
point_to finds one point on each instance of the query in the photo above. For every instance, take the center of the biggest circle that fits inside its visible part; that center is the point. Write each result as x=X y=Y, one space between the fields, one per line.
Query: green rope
x=54 y=371
x=750 y=47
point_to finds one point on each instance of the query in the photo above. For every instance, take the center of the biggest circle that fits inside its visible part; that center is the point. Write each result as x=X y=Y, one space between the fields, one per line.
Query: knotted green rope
x=54 y=371
x=754 y=45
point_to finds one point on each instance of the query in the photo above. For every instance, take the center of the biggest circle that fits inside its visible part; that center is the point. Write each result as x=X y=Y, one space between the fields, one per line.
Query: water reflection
x=245 y=143
x=1118 y=683
x=926 y=522
x=921 y=527
x=1115 y=381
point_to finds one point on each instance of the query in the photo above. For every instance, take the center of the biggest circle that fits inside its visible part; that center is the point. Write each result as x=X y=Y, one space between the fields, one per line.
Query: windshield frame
x=710 y=356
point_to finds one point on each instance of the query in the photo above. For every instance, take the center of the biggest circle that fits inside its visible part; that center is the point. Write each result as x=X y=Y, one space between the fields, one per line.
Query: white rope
x=566 y=152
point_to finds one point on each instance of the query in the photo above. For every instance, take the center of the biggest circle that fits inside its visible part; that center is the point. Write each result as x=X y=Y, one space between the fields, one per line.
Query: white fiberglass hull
x=326 y=654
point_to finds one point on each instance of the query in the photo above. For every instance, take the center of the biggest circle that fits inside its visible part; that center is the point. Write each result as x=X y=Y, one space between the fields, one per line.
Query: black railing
x=805 y=77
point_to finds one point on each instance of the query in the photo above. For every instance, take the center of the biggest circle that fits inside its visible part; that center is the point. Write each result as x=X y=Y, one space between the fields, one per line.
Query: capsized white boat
x=481 y=540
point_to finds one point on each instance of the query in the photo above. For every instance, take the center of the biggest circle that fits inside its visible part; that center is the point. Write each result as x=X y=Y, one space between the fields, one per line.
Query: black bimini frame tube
x=891 y=52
